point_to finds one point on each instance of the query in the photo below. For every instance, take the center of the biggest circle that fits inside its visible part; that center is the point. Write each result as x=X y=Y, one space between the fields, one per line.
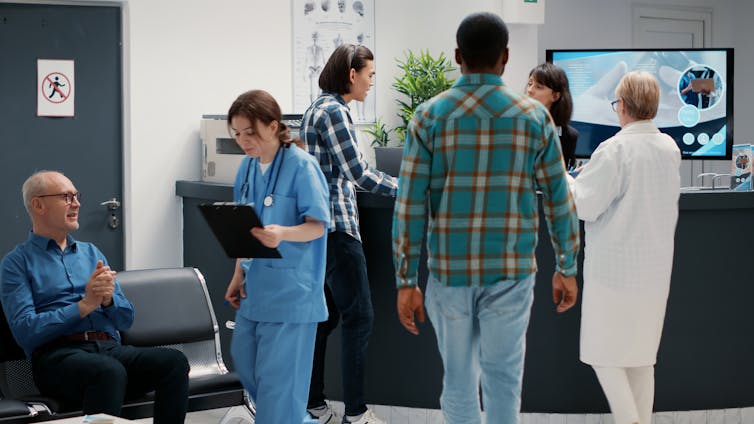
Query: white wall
x=189 y=58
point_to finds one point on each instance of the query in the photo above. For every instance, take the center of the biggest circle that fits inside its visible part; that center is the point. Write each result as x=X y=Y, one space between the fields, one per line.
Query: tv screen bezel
x=729 y=85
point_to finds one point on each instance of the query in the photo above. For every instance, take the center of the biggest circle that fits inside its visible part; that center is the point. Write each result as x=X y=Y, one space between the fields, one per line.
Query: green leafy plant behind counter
x=424 y=76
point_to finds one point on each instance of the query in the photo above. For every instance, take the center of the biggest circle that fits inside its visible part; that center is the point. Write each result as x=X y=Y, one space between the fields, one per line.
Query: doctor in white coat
x=627 y=194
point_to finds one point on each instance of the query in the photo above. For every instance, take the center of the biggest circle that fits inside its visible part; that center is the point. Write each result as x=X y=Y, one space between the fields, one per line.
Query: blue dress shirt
x=40 y=287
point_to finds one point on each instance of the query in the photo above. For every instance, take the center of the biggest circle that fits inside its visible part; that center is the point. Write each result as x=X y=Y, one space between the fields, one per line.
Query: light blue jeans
x=481 y=335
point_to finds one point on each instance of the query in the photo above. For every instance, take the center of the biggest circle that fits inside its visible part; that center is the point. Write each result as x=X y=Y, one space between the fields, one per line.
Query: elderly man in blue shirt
x=65 y=309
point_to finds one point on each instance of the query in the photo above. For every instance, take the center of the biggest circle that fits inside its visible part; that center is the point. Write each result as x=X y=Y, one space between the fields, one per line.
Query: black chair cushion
x=170 y=307
x=10 y=408
x=214 y=383
x=9 y=349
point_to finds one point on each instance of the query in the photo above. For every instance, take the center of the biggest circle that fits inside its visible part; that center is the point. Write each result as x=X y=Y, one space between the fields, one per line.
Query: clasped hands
x=99 y=289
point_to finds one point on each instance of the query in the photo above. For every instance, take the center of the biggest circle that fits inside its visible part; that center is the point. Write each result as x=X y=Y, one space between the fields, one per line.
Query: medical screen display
x=696 y=100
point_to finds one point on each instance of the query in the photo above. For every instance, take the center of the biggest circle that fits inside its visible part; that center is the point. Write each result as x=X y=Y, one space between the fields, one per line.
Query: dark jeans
x=348 y=297
x=101 y=374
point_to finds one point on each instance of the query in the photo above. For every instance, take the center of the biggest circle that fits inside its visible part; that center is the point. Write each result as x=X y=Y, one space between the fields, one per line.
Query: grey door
x=87 y=147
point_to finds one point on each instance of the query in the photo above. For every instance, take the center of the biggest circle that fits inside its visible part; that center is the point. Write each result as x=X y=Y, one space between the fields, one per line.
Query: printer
x=221 y=156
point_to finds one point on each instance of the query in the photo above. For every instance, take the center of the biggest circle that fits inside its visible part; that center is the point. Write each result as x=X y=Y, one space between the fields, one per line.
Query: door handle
x=112 y=204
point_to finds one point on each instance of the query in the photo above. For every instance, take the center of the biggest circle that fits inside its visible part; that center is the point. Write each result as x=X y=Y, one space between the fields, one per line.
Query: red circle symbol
x=56 y=87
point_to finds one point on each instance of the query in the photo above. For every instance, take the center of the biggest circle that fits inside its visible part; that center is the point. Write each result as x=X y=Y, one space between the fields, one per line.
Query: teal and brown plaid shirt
x=474 y=157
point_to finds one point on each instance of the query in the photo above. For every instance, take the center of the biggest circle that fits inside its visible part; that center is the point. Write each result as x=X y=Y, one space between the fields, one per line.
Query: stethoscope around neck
x=268 y=198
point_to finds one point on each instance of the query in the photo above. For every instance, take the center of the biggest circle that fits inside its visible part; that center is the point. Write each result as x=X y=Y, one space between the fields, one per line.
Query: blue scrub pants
x=274 y=363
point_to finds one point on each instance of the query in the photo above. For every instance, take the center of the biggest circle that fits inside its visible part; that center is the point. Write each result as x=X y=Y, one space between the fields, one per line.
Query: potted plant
x=379 y=132
x=423 y=77
x=388 y=159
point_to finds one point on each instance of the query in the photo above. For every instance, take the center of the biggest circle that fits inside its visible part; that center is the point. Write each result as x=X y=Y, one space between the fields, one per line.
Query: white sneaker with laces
x=326 y=415
x=367 y=418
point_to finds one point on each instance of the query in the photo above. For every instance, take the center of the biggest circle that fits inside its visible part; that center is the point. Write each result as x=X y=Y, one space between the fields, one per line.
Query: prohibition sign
x=56 y=87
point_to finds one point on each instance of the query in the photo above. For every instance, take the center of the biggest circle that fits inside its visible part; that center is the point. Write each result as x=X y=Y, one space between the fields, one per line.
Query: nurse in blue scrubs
x=279 y=301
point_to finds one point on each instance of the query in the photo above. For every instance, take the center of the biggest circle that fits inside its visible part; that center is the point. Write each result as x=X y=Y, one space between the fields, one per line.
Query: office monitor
x=696 y=100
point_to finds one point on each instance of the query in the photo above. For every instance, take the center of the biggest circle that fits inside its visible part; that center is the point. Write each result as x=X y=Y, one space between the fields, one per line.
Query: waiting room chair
x=172 y=309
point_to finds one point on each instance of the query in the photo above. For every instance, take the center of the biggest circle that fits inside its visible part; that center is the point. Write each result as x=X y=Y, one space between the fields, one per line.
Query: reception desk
x=706 y=355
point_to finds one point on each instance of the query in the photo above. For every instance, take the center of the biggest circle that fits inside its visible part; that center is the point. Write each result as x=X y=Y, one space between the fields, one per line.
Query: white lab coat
x=628 y=197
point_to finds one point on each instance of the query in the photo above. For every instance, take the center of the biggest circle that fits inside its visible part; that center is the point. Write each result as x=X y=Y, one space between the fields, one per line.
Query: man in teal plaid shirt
x=474 y=157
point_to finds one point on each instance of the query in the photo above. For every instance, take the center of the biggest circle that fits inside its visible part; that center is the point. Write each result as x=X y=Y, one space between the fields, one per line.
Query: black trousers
x=101 y=374
x=348 y=297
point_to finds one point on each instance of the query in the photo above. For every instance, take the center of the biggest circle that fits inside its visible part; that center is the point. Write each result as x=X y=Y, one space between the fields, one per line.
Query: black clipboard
x=231 y=224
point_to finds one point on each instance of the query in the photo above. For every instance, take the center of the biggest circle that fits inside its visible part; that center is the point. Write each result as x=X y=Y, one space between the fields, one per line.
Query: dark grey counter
x=708 y=341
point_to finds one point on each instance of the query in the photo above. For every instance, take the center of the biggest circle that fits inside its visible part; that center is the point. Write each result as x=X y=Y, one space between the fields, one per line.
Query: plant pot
x=388 y=159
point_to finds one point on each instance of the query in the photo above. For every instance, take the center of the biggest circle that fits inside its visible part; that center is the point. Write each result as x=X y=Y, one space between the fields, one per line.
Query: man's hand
x=410 y=302
x=104 y=285
x=98 y=288
x=564 y=291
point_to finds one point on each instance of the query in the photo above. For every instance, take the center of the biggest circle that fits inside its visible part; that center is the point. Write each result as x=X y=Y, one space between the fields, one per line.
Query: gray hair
x=34 y=186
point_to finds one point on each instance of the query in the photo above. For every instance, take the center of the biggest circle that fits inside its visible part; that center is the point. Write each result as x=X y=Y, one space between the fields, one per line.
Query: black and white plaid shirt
x=329 y=134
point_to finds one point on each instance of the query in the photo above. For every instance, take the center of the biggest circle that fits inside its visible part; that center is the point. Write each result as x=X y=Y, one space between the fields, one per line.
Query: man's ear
x=459 y=58
x=37 y=205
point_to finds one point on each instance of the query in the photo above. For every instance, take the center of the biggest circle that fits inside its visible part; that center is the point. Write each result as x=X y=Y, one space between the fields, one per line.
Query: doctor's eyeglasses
x=613 y=103
x=68 y=197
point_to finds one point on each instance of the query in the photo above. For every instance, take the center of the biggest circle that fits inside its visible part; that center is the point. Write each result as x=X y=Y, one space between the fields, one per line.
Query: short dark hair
x=335 y=76
x=554 y=78
x=482 y=38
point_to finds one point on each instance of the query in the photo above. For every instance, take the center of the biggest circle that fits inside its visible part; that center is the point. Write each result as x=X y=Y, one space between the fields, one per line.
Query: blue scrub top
x=288 y=289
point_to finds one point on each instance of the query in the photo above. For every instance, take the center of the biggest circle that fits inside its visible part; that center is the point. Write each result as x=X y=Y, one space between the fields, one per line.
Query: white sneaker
x=367 y=418
x=326 y=415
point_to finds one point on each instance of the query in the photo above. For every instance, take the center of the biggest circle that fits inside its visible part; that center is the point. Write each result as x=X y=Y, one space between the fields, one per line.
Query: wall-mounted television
x=696 y=101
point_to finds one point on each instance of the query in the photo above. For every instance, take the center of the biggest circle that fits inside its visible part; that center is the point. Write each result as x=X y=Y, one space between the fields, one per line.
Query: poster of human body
x=320 y=26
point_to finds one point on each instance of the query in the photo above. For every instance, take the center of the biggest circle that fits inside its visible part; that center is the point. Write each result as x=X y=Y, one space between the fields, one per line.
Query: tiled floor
x=401 y=415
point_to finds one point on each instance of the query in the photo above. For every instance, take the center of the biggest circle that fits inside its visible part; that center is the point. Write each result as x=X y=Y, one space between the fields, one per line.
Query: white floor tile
x=663 y=418
x=593 y=419
x=747 y=415
x=576 y=419
x=434 y=416
x=698 y=417
x=418 y=416
x=404 y=415
x=682 y=417
x=539 y=419
x=732 y=416
x=716 y=417
x=398 y=415
x=558 y=419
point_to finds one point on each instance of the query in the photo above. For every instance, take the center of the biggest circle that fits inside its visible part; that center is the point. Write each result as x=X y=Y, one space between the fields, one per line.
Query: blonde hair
x=640 y=93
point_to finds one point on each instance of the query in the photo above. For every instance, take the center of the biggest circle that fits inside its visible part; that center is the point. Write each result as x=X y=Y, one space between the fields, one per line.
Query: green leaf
x=423 y=77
